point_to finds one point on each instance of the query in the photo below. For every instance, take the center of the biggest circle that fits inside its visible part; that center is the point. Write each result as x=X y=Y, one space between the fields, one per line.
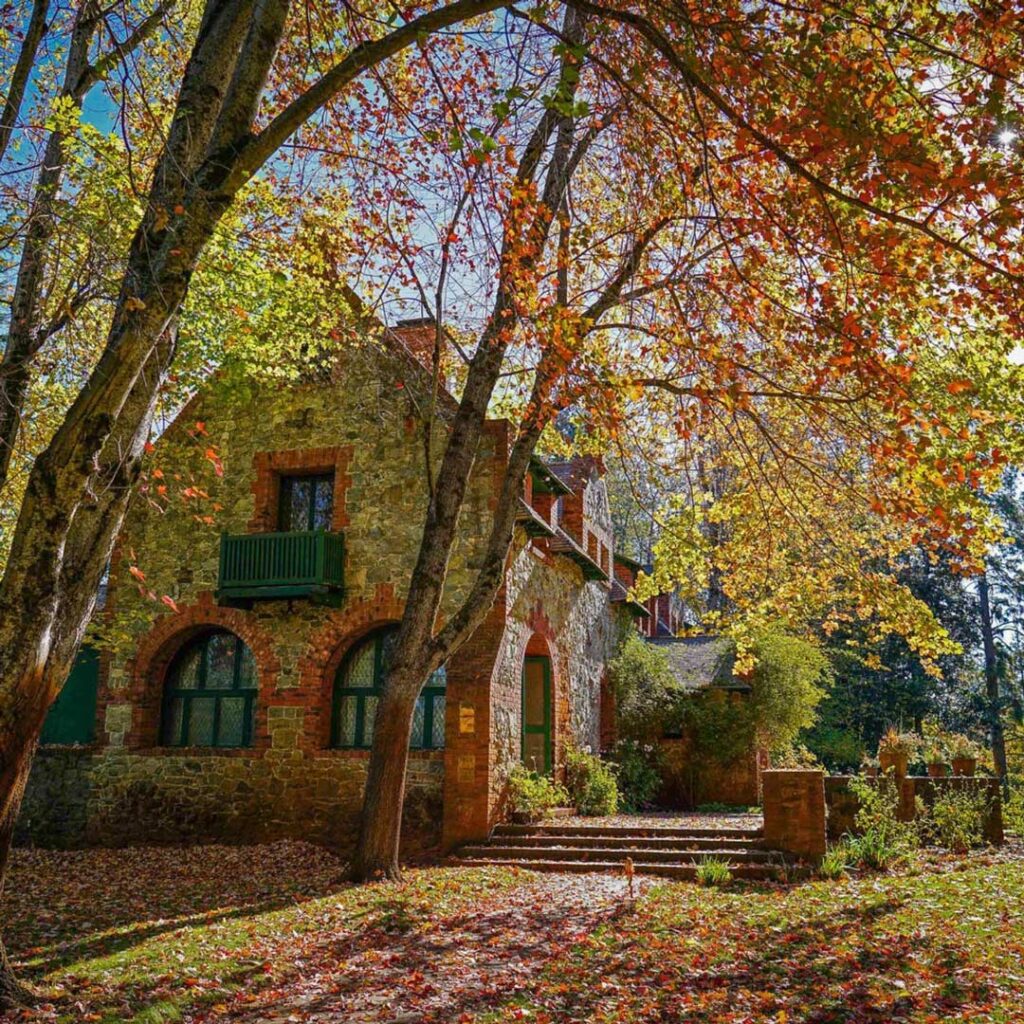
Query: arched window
x=357 y=688
x=210 y=693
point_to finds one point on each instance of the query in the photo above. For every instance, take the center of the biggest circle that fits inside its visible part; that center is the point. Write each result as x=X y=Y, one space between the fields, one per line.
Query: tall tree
x=774 y=213
x=225 y=127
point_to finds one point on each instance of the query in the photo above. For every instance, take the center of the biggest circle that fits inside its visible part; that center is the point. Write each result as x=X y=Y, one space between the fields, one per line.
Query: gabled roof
x=700 y=662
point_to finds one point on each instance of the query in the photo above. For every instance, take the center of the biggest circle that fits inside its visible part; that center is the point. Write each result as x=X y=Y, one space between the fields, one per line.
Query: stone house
x=243 y=707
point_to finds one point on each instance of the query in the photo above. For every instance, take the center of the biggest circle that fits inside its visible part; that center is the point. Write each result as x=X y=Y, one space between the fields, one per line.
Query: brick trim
x=147 y=669
x=543 y=639
x=269 y=467
x=317 y=667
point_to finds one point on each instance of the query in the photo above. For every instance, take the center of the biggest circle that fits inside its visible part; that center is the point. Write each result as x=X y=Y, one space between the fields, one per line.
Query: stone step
x=763 y=872
x=618 y=855
x=629 y=831
x=630 y=842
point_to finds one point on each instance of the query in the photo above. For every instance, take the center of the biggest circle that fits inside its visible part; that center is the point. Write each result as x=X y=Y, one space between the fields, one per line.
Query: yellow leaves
x=134 y=303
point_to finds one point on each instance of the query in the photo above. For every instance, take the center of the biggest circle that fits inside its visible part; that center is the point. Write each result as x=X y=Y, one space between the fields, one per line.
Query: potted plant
x=964 y=755
x=935 y=760
x=894 y=751
x=869 y=767
x=533 y=797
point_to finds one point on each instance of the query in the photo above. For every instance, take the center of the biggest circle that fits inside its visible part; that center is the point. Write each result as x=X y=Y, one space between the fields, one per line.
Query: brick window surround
x=319 y=665
x=156 y=651
x=269 y=467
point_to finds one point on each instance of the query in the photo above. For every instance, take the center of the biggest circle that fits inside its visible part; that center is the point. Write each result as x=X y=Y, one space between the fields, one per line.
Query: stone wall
x=843 y=804
x=84 y=796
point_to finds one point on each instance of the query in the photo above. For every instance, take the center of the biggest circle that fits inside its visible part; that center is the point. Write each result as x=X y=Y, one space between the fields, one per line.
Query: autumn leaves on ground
x=273 y=933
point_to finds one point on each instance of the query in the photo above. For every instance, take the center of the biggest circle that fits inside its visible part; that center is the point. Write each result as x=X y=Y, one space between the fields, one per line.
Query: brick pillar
x=467 y=756
x=794 y=811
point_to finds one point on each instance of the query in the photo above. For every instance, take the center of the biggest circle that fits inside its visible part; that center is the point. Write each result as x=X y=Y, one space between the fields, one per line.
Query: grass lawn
x=272 y=934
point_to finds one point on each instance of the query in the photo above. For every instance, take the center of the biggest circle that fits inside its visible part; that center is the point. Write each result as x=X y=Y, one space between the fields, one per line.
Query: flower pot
x=897 y=762
x=938 y=770
x=871 y=771
x=965 y=765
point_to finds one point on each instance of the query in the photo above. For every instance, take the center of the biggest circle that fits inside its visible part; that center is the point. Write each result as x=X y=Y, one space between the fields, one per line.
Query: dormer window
x=307 y=503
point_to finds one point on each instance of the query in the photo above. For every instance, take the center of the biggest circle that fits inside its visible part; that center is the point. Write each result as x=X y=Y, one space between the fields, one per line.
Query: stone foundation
x=81 y=797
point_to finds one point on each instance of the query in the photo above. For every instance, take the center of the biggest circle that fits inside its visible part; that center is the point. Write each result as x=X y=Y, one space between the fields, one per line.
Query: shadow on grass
x=526 y=956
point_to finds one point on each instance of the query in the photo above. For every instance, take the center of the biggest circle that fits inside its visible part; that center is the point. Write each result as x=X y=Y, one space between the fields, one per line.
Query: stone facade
x=364 y=426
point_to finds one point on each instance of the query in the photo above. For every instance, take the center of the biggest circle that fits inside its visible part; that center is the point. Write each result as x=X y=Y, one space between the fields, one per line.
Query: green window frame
x=357 y=690
x=210 y=693
x=306 y=502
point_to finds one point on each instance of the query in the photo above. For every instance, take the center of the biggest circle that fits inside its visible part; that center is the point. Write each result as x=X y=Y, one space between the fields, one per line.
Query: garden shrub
x=1013 y=809
x=591 y=783
x=713 y=871
x=638 y=773
x=534 y=795
x=957 y=819
x=881 y=839
x=646 y=692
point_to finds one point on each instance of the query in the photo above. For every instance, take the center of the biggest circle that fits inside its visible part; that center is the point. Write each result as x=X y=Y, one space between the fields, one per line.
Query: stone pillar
x=794 y=811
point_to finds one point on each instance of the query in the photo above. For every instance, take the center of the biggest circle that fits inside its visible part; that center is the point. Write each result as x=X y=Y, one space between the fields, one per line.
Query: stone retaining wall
x=843 y=805
x=83 y=796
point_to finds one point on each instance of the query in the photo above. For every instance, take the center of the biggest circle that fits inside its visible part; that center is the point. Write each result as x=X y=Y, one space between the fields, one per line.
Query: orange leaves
x=960 y=386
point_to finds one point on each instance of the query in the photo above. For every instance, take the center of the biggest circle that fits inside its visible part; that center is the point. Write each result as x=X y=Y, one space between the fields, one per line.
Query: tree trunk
x=12 y=993
x=995 y=710
x=379 y=832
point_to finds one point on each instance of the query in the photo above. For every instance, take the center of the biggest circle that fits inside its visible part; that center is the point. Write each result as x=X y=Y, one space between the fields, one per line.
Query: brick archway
x=319 y=665
x=543 y=640
x=156 y=651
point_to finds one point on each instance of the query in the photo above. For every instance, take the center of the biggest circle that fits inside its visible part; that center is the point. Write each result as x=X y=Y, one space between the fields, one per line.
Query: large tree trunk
x=997 y=736
x=12 y=993
x=379 y=831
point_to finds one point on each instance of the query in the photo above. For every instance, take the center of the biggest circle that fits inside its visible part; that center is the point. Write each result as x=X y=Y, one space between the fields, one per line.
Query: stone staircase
x=668 y=851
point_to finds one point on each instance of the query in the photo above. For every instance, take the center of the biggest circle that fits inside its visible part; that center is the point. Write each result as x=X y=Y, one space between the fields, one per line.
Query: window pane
x=534 y=705
x=437 y=729
x=323 y=502
x=369 y=714
x=232 y=721
x=186 y=668
x=387 y=641
x=172 y=722
x=360 y=668
x=296 y=502
x=220 y=661
x=418 y=723
x=439 y=677
x=533 y=751
x=200 y=721
x=247 y=670
x=347 y=722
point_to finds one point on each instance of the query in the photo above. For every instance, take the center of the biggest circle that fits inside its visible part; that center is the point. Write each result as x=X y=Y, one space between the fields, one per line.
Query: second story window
x=307 y=502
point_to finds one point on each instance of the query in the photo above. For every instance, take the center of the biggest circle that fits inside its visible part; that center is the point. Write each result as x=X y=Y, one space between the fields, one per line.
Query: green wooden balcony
x=262 y=566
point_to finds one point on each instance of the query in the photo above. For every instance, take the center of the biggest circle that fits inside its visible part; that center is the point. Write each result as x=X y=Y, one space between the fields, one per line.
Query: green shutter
x=72 y=717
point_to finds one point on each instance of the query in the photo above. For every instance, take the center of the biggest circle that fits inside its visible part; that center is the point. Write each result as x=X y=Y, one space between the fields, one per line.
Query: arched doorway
x=537 y=714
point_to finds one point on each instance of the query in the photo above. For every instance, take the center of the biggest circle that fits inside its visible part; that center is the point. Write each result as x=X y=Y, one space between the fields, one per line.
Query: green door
x=537 y=714
x=72 y=716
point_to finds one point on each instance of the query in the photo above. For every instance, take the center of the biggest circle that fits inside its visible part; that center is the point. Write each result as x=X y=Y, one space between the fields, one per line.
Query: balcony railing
x=309 y=563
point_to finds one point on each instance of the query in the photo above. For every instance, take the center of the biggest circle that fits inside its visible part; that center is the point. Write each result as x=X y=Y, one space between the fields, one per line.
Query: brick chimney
x=418 y=335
